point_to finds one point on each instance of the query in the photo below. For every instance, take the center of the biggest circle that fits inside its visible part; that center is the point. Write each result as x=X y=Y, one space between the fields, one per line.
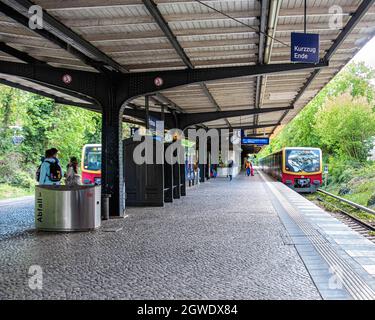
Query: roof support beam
x=98 y=86
x=300 y=93
x=23 y=56
x=213 y=101
x=51 y=96
x=141 y=114
x=258 y=90
x=354 y=20
x=31 y=60
x=163 y=99
x=177 y=78
x=154 y=11
x=261 y=45
x=83 y=82
x=69 y=5
x=79 y=47
x=245 y=127
x=189 y=119
x=351 y=24
x=68 y=93
x=28 y=59
x=138 y=123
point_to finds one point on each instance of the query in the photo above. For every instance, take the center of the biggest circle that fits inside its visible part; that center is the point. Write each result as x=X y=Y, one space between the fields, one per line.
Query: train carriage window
x=92 y=158
x=302 y=160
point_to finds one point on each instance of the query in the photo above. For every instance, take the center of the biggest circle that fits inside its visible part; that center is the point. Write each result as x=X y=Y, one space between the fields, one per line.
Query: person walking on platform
x=249 y=168
x=50 y=170
x=230 y=169
x=72 y=178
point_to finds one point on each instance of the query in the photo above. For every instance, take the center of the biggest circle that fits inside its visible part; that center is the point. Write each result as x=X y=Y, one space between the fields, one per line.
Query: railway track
x=363 y=227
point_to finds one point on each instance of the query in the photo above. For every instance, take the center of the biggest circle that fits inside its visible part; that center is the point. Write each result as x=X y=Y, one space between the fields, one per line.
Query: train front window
x=302 y=160
x=93 y=158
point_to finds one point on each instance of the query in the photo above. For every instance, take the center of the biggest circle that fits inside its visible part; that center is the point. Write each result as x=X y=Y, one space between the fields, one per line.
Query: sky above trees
x=367 y=54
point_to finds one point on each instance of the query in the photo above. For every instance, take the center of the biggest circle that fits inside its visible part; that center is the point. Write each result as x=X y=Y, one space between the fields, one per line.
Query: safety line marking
x=351 y=280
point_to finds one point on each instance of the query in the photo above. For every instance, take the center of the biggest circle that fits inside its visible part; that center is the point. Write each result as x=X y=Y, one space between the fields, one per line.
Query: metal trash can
x=62 y=208
x=105 y=206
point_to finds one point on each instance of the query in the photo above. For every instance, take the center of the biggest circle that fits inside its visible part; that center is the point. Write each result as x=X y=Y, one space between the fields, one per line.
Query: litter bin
x=105 y=206
x=62 y=208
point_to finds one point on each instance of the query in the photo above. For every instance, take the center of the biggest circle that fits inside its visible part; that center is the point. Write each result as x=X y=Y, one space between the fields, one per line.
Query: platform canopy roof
x=146 y=35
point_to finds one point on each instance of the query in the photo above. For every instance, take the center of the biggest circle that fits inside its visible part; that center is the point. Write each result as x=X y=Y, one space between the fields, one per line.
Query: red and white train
x=299 y=168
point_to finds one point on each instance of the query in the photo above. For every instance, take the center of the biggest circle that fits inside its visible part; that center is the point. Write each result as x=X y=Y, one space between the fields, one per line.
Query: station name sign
x=304 y=47
x=256 y=141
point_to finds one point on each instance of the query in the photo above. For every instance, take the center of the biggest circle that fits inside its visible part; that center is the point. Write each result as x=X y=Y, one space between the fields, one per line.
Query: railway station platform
x=252 y=238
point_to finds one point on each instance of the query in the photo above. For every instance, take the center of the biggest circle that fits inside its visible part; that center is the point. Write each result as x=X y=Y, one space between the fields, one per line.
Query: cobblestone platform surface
x=224 y=240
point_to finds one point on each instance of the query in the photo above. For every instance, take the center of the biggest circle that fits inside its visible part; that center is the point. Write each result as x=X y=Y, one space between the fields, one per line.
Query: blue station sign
x=304 y=47
x=256 y=141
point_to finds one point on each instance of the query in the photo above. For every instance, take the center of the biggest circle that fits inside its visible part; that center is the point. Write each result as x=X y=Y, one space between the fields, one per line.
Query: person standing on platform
x=248 y=167
x=72 y=177
x=50 y=171
x=251 y=169
x=230 y=169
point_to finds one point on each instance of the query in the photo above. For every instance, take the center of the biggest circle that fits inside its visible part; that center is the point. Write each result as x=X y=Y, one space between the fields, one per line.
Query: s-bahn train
x=92 y=162
x=91 y=165
x=299 y=168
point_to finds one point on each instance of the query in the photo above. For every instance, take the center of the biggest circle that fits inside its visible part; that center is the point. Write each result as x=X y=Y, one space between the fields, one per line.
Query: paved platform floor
x=340 y=261
x=224 y=240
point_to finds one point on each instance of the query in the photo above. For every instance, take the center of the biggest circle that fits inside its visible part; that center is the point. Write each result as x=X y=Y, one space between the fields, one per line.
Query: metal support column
x=112 y=159
x=176 y=179
x=208 y=159
x=183 y=179
x=202 y=172
x=147 y=108
x=168 y=182
x=168 y=169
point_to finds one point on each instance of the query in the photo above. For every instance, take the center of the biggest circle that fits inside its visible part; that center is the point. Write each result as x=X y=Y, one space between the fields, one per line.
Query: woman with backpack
x=50 y=170
x=72 y=177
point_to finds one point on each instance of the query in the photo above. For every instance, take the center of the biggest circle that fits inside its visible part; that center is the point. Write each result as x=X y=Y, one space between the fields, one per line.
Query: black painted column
x=168 y=169
x=183 y=179
x=168 y=182
x=176 y=180
x=112 y=159
x=202 y=172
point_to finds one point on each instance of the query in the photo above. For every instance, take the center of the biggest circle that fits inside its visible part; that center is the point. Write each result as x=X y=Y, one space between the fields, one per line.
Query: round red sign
x=158 y=81
x=67 y=78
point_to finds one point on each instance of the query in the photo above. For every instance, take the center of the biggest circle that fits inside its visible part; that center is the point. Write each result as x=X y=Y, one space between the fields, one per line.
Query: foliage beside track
x=333 y=205
x=357 y=185
x=341 y=121
x=44 y=124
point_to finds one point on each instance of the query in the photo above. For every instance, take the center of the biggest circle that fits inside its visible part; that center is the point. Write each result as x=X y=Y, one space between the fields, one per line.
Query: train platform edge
x=340 y=261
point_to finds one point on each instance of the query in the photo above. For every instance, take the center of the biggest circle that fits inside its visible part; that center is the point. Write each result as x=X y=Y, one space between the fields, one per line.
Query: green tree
x=8 y=113
x=355 y=80
x=36 y=126
x=71 y=129
x=45 y=124
x=345 y=126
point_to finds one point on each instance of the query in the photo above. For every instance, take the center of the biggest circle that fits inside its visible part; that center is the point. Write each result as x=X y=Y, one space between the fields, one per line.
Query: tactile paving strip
x=350 y=279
